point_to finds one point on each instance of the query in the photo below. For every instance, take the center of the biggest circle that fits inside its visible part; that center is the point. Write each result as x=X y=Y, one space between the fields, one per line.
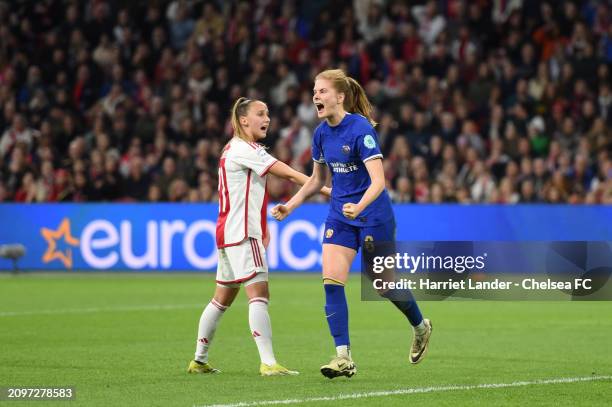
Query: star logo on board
x=52 y=237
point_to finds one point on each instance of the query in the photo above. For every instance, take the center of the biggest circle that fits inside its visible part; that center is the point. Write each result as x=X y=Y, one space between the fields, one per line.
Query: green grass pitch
x=126 y=339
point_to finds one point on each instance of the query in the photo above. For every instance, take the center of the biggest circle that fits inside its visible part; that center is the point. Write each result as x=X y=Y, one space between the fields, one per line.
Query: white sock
x=343 y=351
x=420 y=328
x=207 y=327
x=261 y=329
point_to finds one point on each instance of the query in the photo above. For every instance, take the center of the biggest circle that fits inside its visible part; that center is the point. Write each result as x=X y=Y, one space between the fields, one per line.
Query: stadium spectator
x=498 y=83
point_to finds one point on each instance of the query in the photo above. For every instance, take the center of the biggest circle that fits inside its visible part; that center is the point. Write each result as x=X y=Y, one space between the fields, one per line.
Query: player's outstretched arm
x=377 y=185
x=282 y=170
x=312 y=185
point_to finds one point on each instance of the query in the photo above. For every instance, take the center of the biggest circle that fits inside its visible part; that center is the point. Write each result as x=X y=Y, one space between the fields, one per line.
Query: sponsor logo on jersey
x=343 y=167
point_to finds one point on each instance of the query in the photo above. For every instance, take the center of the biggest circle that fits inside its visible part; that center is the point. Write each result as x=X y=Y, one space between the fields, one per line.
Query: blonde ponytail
x=355 y=98
x=240 y=108
x=359 y=101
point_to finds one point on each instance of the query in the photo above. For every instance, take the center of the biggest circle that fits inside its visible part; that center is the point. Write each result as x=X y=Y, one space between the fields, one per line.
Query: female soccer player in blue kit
x=360 y=206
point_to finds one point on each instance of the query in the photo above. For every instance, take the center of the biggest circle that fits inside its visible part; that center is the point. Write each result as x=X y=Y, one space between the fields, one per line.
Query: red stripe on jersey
x=246 y=216
x=254 y=145
x=264 y=213
x=246 y=206
x=223 y=200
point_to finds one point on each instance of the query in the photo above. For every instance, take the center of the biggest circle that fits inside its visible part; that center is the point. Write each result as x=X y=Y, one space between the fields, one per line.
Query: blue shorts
x=354 y=237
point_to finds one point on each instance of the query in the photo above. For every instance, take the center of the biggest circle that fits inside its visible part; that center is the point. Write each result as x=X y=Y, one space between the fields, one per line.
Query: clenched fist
x=280 y=212
x=350 y=210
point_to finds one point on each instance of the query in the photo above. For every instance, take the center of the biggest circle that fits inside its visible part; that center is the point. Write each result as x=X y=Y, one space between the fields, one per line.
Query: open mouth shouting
x=320 y=107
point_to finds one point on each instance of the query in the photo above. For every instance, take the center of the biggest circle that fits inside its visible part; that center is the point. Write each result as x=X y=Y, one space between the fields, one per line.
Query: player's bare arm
x=312 y=185
x=282 y=170
x=377 y=177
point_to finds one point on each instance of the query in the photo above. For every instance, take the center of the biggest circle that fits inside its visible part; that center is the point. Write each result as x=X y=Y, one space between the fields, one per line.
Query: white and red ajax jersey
x=242 y=192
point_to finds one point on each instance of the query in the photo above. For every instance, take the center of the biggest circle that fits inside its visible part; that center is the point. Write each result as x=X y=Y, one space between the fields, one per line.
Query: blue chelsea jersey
x=345 y=148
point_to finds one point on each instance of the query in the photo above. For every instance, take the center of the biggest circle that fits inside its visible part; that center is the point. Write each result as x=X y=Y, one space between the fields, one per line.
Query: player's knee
x=258 y=290
x=336 y=269
x=223 y=301
x=225 y=295
x=259 y=293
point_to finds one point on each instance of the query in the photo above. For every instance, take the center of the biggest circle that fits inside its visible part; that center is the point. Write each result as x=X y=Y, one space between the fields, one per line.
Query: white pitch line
x=416 y=390
x=99 y=309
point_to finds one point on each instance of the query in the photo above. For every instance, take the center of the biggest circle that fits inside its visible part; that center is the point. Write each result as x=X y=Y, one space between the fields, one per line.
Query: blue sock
x=336 y=311
x=405 y=302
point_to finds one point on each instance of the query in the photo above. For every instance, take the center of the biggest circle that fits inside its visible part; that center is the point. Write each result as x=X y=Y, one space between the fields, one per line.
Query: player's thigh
x=337 y=261
x=340 y=245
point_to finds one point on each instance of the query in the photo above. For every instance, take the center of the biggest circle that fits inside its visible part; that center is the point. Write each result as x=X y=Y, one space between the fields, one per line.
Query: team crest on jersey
x=329 y=233
x=346 y=149
x=369 y=142
x=368 y=243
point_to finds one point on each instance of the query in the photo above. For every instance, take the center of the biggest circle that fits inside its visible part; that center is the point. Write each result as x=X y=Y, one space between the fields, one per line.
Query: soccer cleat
x=200 y=367
x=420 y=343
x=339 y=366
x=276 y=370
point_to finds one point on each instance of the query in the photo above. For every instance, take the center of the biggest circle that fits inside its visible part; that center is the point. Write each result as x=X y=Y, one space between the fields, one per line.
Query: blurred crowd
x=483 y=101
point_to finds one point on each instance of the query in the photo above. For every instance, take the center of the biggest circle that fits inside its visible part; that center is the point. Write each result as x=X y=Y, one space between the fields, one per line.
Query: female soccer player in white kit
x=242 y=235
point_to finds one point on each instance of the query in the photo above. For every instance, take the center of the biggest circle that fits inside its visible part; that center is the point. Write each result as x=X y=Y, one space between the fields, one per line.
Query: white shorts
x=244 y=263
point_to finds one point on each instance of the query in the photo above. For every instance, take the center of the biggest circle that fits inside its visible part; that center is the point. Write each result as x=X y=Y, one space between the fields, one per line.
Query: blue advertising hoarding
x=180 y=237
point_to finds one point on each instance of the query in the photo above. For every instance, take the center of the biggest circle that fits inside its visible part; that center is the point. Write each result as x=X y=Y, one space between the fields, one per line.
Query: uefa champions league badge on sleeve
x=368 y=141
